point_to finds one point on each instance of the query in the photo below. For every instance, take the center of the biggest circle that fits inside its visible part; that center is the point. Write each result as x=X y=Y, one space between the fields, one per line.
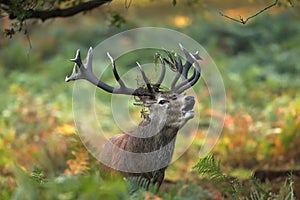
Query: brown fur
x=155 y=133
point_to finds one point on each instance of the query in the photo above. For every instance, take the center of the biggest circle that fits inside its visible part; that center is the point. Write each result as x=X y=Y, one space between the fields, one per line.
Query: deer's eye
x=162 y=102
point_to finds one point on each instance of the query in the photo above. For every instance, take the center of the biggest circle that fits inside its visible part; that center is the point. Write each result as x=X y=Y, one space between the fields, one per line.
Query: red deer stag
x=147 y=151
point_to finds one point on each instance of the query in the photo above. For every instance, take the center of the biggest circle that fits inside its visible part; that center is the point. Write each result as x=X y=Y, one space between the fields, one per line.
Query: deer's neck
x=149 y=139
x=160 y=146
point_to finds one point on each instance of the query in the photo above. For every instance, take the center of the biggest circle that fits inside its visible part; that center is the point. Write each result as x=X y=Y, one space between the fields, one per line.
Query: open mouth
x=188 y=108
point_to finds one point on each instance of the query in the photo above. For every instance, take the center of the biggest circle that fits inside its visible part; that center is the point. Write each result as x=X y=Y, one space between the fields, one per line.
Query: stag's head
x=171 y=107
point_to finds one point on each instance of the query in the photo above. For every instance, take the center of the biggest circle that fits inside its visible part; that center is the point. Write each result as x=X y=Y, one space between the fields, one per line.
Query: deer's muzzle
x=189 y=102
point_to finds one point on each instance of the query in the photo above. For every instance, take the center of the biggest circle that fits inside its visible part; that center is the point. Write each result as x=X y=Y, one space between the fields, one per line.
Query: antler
x=175 y=63
x=86 y=72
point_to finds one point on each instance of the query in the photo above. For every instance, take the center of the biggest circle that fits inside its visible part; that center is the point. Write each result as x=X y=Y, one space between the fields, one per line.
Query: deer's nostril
x=189 y=103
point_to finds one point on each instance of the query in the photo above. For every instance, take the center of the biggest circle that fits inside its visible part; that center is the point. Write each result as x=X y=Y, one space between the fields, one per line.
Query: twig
x=244 y=21
x=28 y=37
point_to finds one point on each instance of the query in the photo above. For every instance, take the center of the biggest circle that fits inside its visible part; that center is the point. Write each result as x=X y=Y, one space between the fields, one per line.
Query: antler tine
x=73 y=76
x=188 y=63
x=192 y=80
x=163 y=72
x=78 y=62
x=179 y=71
x=171 y=62
x=77 y=59
x=186 y=81
x=115 y=72
x=169 y=55
x=146 y=80
x=191 y=59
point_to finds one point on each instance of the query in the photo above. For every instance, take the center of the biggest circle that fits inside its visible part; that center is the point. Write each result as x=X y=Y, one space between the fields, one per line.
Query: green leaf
x=209 y=166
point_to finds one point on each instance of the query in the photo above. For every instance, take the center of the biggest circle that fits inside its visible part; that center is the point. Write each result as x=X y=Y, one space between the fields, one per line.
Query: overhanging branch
x=66 y=12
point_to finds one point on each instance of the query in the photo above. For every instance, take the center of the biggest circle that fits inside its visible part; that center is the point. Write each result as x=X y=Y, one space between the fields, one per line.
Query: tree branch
x=66 y=12
x=244 y=21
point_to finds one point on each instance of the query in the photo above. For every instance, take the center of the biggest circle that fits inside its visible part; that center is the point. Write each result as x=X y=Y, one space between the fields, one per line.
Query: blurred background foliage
x=259 y=62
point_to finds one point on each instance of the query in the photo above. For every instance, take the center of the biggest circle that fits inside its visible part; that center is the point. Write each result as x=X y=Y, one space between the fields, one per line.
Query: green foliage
x=68 y=187
x=287 y=190
x=138 y=186
x=37 y=174
x=23 y=62
x=209 y=166
x=139 y=183
x=179 y=191
x=187 y=191
x=116 y=19
x=260 y=192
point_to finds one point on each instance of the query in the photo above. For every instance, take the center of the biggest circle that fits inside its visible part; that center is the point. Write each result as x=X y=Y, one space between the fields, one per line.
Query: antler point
x=67 y=79
x=110 y=58
x=78 y=53
x=180 y=45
